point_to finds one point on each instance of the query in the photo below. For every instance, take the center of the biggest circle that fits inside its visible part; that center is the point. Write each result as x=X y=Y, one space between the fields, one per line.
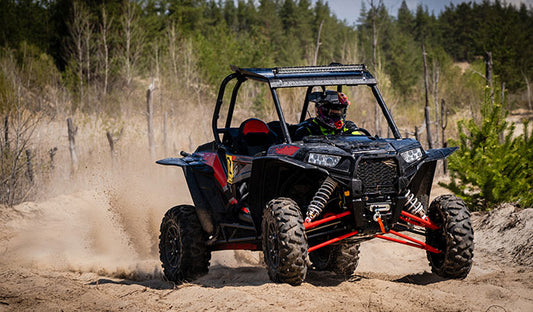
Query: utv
x=308 y=204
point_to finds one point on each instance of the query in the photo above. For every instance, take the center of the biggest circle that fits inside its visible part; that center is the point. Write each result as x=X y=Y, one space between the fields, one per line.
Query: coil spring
x=414 y=206
x=320 y=199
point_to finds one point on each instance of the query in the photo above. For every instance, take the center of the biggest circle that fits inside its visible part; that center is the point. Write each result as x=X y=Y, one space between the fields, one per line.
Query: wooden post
x=6 y=132
x=111 y=142
x=52 y=153
x=488 y=75
x=72 y=131
x=29 y=166
x=111 y=148
x=426 y=109
x=528 y=92
x=150 y=116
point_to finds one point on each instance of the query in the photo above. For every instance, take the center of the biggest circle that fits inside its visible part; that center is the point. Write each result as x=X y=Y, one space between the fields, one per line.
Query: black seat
x=255 y=137
x=275 y=126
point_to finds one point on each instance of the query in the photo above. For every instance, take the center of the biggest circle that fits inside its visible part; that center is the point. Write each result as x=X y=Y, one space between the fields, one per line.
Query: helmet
x=330 y=108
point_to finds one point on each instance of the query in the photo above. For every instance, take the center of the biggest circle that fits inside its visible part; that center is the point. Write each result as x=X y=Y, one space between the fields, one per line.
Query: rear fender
x=206 y=181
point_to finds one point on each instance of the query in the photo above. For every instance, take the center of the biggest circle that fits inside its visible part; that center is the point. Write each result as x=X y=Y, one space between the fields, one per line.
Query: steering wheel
x=364 y=131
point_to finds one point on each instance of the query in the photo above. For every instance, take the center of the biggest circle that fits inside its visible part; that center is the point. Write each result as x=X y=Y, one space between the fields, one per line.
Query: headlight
x=323 y=160
x=412 y=155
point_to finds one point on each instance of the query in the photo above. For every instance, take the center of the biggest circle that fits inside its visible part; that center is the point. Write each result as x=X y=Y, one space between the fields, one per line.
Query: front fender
x=422 y=181
x=274 y=176
x=439 y=153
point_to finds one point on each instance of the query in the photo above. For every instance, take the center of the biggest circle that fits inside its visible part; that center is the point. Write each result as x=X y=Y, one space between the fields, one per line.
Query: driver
x=330 y=117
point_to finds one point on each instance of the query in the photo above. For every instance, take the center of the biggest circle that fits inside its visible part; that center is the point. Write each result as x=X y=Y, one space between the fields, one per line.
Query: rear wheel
x=322 y=258
x=345 y=259
x=182 y=248
x=284 y=242
x=455 y=237
x=341 y=259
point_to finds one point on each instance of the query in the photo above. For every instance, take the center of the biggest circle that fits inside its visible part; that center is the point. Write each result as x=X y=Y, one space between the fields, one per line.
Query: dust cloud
x=107 y=223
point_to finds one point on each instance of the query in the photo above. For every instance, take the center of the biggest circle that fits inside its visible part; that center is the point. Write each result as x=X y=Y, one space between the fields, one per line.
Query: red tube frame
x=310 y=225
x=405 y=216
x=415 y=242
x=412 y=219
x=331 y=241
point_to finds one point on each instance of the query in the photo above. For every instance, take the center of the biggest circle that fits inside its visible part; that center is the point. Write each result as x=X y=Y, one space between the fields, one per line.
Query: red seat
x=255 y=136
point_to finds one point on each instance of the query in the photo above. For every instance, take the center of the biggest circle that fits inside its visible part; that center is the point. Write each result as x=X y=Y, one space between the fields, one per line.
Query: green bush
x=493 y=164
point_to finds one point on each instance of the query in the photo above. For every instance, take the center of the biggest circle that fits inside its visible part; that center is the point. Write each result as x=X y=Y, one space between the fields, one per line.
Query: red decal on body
x=288 y=150
x=214 y=162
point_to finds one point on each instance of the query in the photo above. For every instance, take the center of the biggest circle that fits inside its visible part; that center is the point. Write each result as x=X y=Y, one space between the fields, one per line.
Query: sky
x=349 y=9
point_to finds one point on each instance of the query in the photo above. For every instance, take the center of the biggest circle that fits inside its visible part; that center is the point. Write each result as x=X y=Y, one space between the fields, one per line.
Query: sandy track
x=69 y=254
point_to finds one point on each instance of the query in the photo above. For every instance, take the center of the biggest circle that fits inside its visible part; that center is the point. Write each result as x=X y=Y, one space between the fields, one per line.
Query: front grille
x=379 y=176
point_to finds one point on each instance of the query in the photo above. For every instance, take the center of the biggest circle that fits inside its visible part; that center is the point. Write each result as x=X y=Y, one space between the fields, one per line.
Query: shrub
x=493 y=163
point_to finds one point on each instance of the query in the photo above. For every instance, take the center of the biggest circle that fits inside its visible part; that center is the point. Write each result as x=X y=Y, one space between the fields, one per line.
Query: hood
x=353 y=145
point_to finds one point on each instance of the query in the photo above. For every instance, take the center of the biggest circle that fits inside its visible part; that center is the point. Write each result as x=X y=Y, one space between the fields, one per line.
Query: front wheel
x=182 y=245
x=284 y=242
x=455 y=237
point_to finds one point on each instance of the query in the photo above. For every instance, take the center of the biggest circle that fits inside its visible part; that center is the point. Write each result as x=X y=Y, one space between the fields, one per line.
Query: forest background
x=95 y=62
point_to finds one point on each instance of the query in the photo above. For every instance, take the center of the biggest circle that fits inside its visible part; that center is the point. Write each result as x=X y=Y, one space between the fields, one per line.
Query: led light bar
x=315 y=69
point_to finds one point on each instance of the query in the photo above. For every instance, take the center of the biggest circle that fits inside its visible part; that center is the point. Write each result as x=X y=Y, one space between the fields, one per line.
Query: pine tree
x=487 y=170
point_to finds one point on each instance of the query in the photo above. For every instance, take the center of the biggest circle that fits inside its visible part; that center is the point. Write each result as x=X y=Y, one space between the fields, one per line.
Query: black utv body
x=309 y=203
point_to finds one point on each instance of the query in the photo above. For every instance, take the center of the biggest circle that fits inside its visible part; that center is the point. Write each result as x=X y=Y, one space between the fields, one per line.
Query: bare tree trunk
x=318 y=43
x=150 y=113
x=127 y=33
x=172 y=48
x=133 y=40
x=79 y=49
x=377 y=115
x=165 y=141
x=78 y=31
x=72 y=131
x=87 y=35
x=374 y=34
x=105 y=27
x=443 y=125
x=488 y=75
x=436 y=99
x=426 y=109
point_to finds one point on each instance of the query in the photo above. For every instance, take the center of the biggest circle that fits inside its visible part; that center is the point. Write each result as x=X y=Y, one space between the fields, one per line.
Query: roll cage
x=305 y=76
